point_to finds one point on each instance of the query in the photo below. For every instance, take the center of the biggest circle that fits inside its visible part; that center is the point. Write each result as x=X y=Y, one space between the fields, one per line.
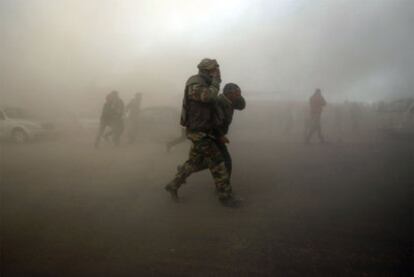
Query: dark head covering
x=239 y=103
x=231 y=87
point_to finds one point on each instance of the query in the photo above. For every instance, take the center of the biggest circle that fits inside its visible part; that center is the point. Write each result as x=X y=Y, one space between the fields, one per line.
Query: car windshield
x=17 y=113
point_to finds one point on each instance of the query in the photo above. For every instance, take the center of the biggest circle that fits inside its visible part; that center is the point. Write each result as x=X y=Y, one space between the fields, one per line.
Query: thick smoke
x=72 y=52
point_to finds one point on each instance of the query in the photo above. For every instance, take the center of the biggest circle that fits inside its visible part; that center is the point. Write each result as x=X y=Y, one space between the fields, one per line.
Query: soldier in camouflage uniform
x=199 y=117
x=230 y=100
x=133 y=109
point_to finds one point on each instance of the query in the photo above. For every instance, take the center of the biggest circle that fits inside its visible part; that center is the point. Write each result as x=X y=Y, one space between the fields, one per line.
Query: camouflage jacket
x=198 y=111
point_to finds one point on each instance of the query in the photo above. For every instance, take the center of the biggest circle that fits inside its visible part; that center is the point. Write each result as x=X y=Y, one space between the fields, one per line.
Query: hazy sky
x=80 y=49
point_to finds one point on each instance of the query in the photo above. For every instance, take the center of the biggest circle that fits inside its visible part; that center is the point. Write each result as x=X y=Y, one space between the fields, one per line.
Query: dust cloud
x=71 y=53
x=339 y=208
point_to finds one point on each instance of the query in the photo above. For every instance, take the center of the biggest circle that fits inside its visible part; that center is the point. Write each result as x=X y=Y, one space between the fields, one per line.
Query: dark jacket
x=112 y=111
x=225 y=110
x=316 y=102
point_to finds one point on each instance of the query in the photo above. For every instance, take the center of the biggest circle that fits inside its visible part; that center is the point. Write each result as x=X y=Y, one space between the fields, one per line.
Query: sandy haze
x=340 y=209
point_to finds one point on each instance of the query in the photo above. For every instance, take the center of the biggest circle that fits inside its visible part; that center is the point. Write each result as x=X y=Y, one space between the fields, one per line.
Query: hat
x=231 y=87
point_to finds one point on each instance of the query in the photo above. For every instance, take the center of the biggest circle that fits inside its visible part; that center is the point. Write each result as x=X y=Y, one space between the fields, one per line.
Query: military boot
x=230 y=201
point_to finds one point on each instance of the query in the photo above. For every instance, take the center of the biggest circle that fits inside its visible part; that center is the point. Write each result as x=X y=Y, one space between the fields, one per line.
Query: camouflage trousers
x=205 y=153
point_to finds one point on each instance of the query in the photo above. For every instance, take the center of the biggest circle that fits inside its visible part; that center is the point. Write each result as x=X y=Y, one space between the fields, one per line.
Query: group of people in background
x=114 y=111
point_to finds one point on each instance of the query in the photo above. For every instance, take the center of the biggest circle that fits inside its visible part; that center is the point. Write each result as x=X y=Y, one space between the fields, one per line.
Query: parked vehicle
x=18 y=125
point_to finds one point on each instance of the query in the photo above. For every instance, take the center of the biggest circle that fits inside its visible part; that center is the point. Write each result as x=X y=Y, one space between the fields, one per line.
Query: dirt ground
x=343 y=209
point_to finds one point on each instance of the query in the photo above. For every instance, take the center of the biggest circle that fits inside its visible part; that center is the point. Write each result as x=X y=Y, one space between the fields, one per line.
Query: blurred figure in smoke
x=317 y=103
x=117 y=118
x=133 y=109
x=104 y=120
x=112 y=117
x=199 y=116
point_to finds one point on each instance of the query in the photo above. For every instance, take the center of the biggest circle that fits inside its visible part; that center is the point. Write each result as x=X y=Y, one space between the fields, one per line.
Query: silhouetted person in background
x=133 y=110
x=317 y=103
x=104 y=120
x=117 y=118
x=112 y=117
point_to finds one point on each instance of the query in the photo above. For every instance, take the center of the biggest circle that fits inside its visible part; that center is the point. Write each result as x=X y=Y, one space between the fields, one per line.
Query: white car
x=18 y=126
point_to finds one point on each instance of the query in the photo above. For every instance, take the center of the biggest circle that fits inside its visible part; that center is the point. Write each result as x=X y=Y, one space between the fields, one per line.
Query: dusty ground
x=345 y=209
